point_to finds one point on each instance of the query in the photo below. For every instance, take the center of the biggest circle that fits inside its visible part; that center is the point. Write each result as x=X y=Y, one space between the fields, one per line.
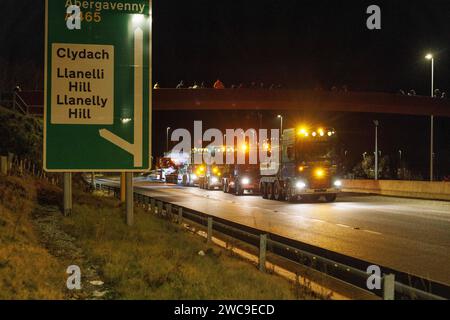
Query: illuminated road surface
x=404 y=234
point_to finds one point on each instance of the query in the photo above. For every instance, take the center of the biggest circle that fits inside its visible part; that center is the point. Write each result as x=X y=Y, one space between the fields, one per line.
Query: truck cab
x=308 y=168
x=239 y=178
x=212 y=177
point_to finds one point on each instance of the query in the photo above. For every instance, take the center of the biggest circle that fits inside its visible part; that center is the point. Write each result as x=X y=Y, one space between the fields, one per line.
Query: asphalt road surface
x=408 y=235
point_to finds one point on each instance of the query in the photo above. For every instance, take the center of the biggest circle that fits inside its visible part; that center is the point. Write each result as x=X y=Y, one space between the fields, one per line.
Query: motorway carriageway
x=408 y=235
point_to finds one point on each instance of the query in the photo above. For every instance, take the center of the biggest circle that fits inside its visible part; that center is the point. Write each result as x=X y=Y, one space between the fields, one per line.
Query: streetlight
x=376 y=123
x=281 y=124
x=167 y=138
x=431 y=58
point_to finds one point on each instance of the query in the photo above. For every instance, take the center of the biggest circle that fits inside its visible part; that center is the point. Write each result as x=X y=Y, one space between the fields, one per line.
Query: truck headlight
x=245 y=181
x=300 y=185
x=338 y=183
x=214 y=180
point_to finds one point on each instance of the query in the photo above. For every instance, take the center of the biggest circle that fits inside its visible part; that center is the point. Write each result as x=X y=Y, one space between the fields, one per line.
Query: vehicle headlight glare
x=338 y=183
x=300 y=185
x=245 y=181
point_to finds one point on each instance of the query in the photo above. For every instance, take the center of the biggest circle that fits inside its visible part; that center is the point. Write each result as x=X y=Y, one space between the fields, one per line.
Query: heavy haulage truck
x=239 y=178
x=307 y=169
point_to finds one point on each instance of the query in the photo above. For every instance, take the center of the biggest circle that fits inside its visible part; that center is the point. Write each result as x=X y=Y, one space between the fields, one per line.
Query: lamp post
x=376 y=123
x=281 y=124
x=430 y=57
x=167 y=139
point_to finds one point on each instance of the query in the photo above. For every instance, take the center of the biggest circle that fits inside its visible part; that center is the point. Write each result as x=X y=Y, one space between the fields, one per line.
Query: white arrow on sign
x=133 y=148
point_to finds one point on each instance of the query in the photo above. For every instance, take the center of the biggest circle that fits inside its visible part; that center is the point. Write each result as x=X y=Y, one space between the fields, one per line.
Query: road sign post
x=129 y=198
x=67 y=194
x=97 y=101
x=122 y=187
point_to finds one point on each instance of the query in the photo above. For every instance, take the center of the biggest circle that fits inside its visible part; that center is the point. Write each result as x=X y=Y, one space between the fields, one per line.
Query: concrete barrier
x=411 y=189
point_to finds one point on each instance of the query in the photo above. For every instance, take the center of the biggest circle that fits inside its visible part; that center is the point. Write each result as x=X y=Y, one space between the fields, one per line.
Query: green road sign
x=97 y=85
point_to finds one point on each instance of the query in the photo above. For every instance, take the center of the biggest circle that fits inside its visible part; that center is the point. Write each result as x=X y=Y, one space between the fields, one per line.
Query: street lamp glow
x=429 y=56
x=281 y=124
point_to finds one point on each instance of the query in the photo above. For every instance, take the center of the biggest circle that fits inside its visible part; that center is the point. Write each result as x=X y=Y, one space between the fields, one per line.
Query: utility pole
x=376 y=148
x=167 y=139
x=430 y=57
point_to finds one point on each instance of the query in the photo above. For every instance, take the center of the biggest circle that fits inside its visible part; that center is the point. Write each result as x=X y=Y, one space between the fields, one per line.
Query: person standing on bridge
x=218 y=84
x=181 y=85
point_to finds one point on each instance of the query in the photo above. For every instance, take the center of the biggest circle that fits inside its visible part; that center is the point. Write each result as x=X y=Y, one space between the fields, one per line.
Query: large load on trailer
x=308 y=167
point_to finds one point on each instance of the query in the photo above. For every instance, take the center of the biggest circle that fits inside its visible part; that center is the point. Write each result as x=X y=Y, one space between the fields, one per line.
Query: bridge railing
x=29 y=102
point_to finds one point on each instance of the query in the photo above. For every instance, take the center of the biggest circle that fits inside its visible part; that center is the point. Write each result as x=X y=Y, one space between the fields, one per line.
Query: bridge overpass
x=260 y=99
x=264 y=99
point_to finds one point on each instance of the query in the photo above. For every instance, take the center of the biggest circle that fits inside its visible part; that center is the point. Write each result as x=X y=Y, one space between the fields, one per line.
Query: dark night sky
x=300 y=44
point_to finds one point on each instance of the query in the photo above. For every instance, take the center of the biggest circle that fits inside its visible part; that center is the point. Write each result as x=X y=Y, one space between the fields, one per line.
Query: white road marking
x=343 y=225
x=373 y=232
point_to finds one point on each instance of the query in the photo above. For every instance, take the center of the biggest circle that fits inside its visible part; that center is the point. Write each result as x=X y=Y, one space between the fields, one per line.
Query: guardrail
x=395 y=285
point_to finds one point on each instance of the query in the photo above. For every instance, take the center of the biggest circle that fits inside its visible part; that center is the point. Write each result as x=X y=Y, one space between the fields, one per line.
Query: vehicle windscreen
x=315 y=151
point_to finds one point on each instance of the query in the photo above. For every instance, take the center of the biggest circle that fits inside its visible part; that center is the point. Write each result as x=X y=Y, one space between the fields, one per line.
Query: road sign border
x=44 y=144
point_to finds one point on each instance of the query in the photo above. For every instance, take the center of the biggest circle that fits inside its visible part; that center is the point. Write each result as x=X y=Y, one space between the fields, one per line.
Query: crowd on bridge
x=218 y=84
x=437 y=93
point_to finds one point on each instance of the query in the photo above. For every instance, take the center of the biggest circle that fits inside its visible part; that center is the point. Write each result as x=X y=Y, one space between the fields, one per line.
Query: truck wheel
x=330 y=197
x=238 y=190
x=270 y=191
x=289 y=194
x=263 y=189
x=277 y=191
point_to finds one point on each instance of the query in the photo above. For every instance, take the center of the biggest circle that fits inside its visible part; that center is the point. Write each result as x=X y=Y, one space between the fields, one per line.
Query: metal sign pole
x=129 y=199
x=122 y=187
x=67 y=194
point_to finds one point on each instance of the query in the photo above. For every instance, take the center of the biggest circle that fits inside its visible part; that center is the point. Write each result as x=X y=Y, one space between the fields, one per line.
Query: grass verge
x=27 y=269
x=159 y=260
x=153 y=260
